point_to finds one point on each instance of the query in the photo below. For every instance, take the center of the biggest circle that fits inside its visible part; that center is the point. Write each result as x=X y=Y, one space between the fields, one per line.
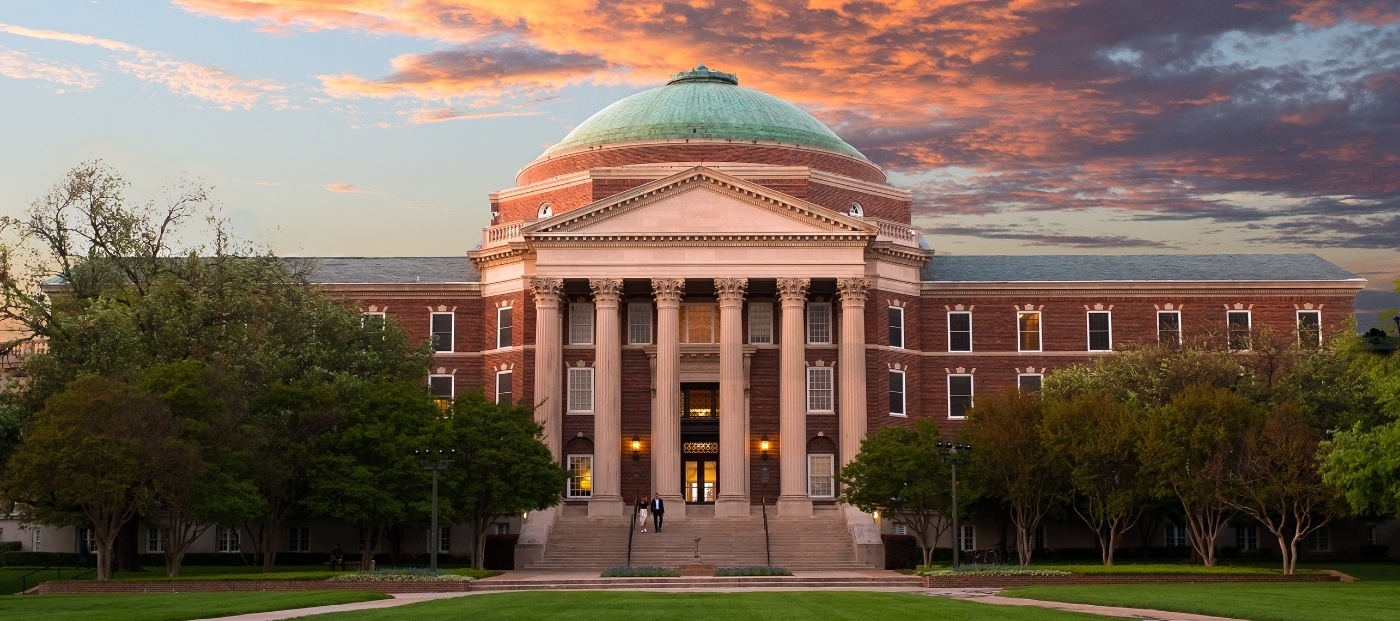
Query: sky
x=377 y=127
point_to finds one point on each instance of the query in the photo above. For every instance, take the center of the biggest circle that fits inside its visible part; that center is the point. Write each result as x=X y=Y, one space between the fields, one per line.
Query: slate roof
x=391 y=270
x=1134 y=268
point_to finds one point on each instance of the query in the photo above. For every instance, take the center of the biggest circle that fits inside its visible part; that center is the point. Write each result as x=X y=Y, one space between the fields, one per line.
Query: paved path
x=989 y=596
x=396 y=600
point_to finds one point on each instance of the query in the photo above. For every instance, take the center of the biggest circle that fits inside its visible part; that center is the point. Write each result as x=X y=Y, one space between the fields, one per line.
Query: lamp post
x=437 y=461
x=955 y=455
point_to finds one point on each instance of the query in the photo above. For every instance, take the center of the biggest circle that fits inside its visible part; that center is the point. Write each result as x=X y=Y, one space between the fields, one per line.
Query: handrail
x=767 y=549
x=631 y=530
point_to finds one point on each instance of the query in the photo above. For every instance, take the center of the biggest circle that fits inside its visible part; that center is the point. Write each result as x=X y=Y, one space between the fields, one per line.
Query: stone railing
x=896 y=232
x=14 y=358
x=500 y=234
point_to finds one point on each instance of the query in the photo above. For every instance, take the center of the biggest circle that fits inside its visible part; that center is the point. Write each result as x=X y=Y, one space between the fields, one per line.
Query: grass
x=10 y=577
x=167 y=606
x=291 y=572
x=765 y=606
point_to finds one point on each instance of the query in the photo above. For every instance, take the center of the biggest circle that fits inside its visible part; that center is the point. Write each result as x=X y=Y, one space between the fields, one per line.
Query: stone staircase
x=819 y=543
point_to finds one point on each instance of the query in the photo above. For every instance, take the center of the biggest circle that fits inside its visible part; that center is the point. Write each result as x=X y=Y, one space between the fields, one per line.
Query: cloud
x=1032 y=237
x=346 y=188
x=437 y=115
x=21 y=66
x=469 y=72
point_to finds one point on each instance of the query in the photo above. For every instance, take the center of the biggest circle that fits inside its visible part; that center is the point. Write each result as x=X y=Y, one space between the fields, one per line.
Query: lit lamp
x=763 y=446
x=636 y=448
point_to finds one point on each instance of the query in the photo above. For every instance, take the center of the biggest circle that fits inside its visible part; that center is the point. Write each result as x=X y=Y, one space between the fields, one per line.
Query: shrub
x=399 y=575
x=1373 y=552
x=38 y=559
x=756 y=570
x=641 y=572
x=500 y=552
x=990 y=570
x=11 y=546
x=901 y=551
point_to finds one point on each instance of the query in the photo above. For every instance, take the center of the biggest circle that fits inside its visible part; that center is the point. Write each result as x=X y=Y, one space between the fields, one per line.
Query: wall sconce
x=636 y=448
x=763 y=446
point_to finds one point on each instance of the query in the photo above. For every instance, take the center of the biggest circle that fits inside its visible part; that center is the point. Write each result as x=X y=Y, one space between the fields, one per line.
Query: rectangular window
x=959 y=395
x=959 y=331
x=445 y=539
x=580 y=476
x=1174 y=536
x=442 y=332
x=1029 y=382
x=443 y=388
x=580 y=323
x=967 y=539
x=503 y=386
x=581 y=390
x=503 y=528
x=372 y=321
x=1038 y=539
x=897 y=393
x=505 y=327
x=899 y=528
x=88 y=537
x=299 y=539
x=820 y=476
x=1247 y=538
x=35 y=539
x=227 y=538
x=155 y=541
x=698 y=323
x=1319 y=540
x=1309 y=328
x=1100 y=331
x=1169 y=327
x=1028 y=330
x=896 y=327
x=819 y=323
x=761 y=323
x=1238 y=324
x=639 y=323
x=819 y=389
x=1372 y=537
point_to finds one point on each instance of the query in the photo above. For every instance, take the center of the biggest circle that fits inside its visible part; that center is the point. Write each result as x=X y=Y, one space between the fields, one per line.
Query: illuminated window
x=1028 y=330
x=443 y=389
x=580 y=476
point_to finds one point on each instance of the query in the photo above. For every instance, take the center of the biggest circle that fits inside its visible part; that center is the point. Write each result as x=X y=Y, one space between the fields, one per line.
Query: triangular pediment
x=700 y=201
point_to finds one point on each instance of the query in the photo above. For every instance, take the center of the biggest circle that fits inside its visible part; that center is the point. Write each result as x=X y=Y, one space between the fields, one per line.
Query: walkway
x=989 y=596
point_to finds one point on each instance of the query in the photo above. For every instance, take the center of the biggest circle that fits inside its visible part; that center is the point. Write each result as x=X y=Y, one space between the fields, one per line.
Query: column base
x=794 y=507
x=602 y=506
x=736 y=506
x=675 y=507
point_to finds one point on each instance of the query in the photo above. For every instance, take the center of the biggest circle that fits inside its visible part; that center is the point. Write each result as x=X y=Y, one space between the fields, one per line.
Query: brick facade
x=713 y=152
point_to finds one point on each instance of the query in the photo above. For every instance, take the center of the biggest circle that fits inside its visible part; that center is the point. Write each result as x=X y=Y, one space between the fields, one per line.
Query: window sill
x=899 y=415
x=821 y=412
x=579 y=413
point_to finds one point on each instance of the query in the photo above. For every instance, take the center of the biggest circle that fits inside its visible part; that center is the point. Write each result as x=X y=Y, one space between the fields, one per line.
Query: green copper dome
x=702 y=104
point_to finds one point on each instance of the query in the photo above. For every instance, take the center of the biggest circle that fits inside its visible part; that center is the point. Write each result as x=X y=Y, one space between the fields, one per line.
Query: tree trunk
x=124 y=554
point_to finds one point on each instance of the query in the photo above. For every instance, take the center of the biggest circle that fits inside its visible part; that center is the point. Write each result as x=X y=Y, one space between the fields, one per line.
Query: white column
x=665 y=412
x=851 y=362
x=549 y=361
x=607 y=405
x=792 y=399
x=733 y=497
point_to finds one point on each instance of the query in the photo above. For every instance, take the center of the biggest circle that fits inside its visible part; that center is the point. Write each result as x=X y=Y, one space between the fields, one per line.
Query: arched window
x=856 y=211
x=545 y=210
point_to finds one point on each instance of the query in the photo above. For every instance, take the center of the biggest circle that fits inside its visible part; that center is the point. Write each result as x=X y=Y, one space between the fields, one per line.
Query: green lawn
x=167 y=606
x=10 y=577
x=762 y=606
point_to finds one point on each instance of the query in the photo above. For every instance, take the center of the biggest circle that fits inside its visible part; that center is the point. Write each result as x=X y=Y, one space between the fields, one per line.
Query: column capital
x=606 y=291
x=547 y=291
x=731 y=290
x=668 y=290
x=793 y=290
x=853 y=291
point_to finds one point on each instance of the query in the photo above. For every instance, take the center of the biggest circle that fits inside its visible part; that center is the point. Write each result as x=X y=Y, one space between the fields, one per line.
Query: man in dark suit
x=658 y=510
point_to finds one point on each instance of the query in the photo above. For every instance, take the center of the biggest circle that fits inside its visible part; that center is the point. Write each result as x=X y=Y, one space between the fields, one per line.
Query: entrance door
x=700 y=476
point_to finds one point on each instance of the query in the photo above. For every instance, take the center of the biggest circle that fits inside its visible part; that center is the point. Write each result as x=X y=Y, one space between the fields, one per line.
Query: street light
x=437 y=461
x=955 y=455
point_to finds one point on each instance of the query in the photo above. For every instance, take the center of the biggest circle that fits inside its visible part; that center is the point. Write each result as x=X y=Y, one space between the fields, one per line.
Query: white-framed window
x=896 y=327
x=699 y=322
x=761 y=323
x=897 y=393
x=1027 y=330
x=444 y=539
x=580 y=476
x=442 y=328
x=503 y=387
x=899 y=528
x=959 y=395
x=503 y=528
x=821 y=480
x=227 y=538
x=88 y=537
x=372 y=321
x=819 y=323
x=1029 y=382
x=580 y=323
x=638 y=323
x=959 y=331
x=299 y=539
x=155 y=540
x=1319 y=540
x=1169 y=327
x=505 y=327
x=545 y=211
x=1175 y=536
x=1237 y=324
x=443 y=389
x=1247 y=537
x=820 y=389
x=967 y=537
x=1100 y=331
x=580 y=390
x=1309 y=328
x=856 y=211
x=35 y=539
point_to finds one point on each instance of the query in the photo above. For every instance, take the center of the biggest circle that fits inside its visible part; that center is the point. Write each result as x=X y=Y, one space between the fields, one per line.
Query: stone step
x=894 y=581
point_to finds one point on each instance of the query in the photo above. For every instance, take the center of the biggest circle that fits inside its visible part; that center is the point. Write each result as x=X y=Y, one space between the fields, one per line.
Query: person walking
x=658 y=510
x=337 y=558
x=642 y=512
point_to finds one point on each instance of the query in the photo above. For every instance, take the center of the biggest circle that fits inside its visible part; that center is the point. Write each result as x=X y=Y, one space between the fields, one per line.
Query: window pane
x=580 y=476
x=959 y=331
x=505 y=322
x=819 y=389
x=1309 y=328
x=442 y=331
x=698 y=323
x=1169 y=327
x=1239 y=329
x=896 y=327
x=581 y=323
x=819 y=322
x=1029 y=383
x=896 y=392
x=959 y=395
x=503 y=385
x=1100 y=338
x=580 y=390
x=372 y=321
x=1028 y=325
x=820 y=483
x=760 y=322
x=440 y=386
x=638 y=323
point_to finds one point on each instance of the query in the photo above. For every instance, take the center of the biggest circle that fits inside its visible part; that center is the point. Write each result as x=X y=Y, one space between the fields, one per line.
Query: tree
x=92 y=456
x=1096 y=439
x=899 y=471
x=1365 y=464
x=1013 y=464
x=1191 y=450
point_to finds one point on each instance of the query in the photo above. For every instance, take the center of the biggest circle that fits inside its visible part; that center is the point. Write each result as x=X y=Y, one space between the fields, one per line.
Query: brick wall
x=90 y=587
x=840 y=199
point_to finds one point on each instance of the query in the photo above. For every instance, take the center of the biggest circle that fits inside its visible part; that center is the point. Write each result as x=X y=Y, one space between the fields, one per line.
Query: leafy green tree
x=502 y=466
x=900 y=473
x=1012 y=462
x=1144 y=376
x=94 y=455
x=1365 y=465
